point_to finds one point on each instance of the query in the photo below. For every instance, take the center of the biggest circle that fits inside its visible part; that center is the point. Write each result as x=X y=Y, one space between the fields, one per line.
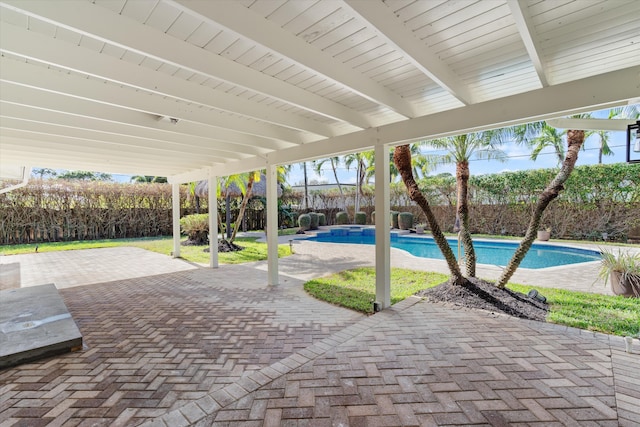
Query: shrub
x=314 y=220
x=342 y=218
x=394 y=219
x=405 y=220
x=304 y=222
x=322 y=219
x=196 y=227
x=361 y=218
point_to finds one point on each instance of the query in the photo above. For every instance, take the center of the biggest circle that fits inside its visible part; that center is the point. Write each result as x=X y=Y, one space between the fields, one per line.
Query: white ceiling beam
x=242 y=21
x=102 y=24
x=29 y=44
x=15 y=150
x=73 y=139
x=38 y=77
x=179 y=140
x=381 y=17
x=528 y=35
x=589 y=94
x=223 y=169
x=591 y=124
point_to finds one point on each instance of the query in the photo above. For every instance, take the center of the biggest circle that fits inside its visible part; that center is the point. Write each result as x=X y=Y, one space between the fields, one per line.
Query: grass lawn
x=253 y=251
x=355 y=289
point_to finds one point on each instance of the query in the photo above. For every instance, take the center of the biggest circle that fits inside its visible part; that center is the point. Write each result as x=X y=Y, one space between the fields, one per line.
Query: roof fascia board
x=592 y=93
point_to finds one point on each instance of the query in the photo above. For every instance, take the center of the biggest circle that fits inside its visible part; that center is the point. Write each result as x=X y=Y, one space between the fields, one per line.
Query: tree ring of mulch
x=226 y=246
x=480 y=294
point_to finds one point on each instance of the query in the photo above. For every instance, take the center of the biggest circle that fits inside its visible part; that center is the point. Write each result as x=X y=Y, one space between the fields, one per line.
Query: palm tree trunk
x=402 y=160
x=575 y=139
x=462 y=178
x=243 y=206
x=335 y=174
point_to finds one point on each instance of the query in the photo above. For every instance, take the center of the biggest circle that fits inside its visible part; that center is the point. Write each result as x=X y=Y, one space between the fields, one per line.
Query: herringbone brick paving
x=449 y=367
x=219 y=347
x=156 y=343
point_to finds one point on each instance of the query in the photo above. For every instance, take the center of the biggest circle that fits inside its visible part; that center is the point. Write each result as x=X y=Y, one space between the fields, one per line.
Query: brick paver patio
x=219 y=347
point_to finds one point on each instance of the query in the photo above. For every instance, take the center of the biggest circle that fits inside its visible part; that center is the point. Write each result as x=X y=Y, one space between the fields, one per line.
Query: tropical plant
x=304 y=222
x=342 y=218
x=575 y=139
x=196 y=227
x=335 y=162
x=402 y=160
x=459 y=150
x=618 y=268
x=360 y=218
x=405 y=220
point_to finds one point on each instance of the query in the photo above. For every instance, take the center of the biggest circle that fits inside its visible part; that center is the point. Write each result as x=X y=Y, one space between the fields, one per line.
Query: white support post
x=175 y=201
x=272 y=224
x=213 y=221
x=383 y=236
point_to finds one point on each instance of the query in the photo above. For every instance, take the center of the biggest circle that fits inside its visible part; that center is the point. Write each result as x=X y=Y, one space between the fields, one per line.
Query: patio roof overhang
x=183 y=88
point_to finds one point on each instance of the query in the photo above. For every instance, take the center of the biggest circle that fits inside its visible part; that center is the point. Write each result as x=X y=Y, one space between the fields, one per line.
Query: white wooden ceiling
x=176 y=87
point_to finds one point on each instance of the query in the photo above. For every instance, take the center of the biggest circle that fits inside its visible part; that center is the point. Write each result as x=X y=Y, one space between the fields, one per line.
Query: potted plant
x=544 y=234
x=622 y=271
x=420 y=228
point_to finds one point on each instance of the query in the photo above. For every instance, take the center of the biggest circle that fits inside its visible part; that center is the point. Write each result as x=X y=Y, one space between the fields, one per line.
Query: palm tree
x=540 y=135
x=547 y=137
x=361 y=172
x=628 y=112
x=575 y=140
x=335 y=162
x=402 y=161
x=459 y=150
x=419 y=162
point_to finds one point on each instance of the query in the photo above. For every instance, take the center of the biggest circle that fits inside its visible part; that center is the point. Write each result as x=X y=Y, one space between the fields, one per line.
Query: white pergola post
x=383 y=236
x=175 y=201
x=213 y=221
x=272 y=224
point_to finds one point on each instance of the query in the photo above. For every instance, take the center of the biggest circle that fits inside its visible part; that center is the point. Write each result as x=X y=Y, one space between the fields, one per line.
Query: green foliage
x=253 y=251
x=342 y=218
x=593 y=312
x=322 y=219
x=356 y=289
x=405 y=220
x=394 y=219
x=361 y=218
x=85 y=176
x=196 y=227
x=314 y=220
x=304 y=222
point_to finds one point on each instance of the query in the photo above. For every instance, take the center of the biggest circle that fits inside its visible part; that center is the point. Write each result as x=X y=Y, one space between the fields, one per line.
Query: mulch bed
x=483 y=295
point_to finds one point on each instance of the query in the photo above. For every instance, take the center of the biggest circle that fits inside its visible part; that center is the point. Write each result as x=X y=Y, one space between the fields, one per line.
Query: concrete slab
x=35 y=323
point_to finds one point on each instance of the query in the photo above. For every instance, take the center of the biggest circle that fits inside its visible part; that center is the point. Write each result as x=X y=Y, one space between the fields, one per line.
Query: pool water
x=487 y=252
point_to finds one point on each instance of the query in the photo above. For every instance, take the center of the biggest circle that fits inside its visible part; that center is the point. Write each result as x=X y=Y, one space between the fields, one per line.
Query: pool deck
x=169 y=343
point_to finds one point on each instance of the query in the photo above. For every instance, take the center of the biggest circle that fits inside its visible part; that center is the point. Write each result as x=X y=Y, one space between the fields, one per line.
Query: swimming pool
x=487 y=252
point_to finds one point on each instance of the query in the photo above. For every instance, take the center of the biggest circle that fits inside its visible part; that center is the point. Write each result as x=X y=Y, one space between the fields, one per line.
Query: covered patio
x=191 y=345
x=197 y=90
